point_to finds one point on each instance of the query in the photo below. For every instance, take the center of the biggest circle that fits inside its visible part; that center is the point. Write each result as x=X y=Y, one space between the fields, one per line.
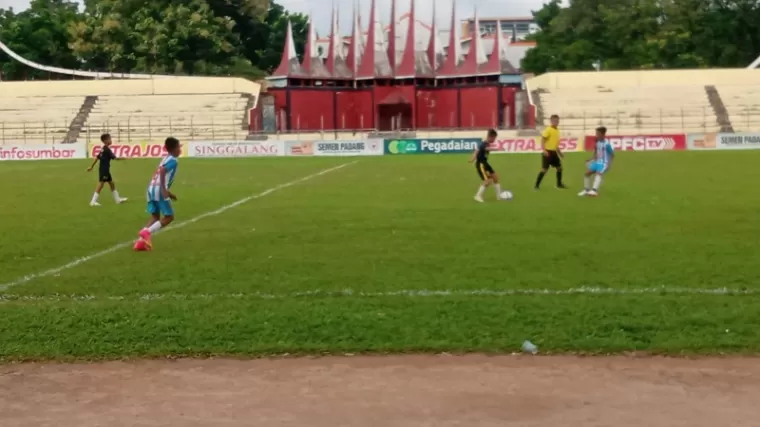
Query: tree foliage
x=192 y=37
x=645 y=34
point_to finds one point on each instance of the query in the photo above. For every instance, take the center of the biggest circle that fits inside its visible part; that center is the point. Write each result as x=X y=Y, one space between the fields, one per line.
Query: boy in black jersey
x=485 y=171
x=104 y=175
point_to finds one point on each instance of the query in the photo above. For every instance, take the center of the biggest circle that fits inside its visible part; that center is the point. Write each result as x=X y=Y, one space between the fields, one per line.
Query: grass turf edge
x=679 y=325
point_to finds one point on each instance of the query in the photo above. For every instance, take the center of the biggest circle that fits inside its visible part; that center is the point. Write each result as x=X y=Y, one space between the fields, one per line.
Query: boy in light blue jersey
x=159 y=196
x=599 y=164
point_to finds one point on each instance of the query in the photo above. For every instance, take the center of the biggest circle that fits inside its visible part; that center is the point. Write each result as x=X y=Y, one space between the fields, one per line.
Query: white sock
x=481 y=190
x=95 y=198
x=154 y=227
x=497 y=187
x=116 y=195
x=597 y=182
x=586 y=183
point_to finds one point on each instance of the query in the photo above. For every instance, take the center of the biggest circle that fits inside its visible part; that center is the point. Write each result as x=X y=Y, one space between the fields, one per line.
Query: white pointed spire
x=380 y=43
x=455 y=30
x=434 y=42
x=289 y=41
x=356 y=46
x=477 y=41
x=338 y=51
x=311 y=38
x=503 y=44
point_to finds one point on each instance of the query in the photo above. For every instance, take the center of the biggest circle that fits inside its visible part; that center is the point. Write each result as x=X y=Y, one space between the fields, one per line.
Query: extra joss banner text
x=531 y=145
x=153 y=150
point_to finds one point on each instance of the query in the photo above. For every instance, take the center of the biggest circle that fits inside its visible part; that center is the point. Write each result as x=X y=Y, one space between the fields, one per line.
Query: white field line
x=407 y=293
x=84 y=259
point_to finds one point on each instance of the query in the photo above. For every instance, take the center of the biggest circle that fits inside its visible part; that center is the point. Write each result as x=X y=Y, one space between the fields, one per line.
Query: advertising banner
x=701 y=141
x=145 y=149
x=369 y=147
x=76 y=150
x=532 y=145
x=431 y=146
x=737 y=141
x=299 y=148
x=231 y=149
x=642 y=142
x=365 y=147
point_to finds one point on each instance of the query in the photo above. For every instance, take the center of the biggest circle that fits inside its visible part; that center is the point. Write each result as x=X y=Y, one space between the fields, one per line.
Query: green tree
x=262 y=26
x=159 y=36
x=38 y=34
x=641 y=34
x=196 y=37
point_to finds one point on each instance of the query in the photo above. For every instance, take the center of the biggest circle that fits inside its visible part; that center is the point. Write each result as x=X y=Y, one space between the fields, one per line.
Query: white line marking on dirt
x=123 y=245
x=410 y=293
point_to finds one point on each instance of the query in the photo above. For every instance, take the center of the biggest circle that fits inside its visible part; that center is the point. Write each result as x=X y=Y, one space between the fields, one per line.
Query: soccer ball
x=505 y=195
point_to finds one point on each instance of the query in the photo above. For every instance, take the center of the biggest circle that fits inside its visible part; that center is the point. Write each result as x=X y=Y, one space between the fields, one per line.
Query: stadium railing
x=643 y=120
x=575 y=123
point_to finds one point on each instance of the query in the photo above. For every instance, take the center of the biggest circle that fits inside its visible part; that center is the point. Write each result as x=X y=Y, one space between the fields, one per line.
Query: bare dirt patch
x=385 y=391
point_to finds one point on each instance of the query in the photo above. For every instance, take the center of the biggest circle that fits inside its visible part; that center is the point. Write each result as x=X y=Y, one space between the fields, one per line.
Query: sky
x=320 y=11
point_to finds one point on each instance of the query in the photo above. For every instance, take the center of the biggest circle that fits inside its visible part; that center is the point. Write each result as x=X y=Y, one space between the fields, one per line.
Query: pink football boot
x=141 y=245
x=144 y=234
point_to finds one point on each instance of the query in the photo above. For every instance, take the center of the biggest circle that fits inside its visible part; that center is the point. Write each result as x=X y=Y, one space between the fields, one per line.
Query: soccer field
x=383 y=254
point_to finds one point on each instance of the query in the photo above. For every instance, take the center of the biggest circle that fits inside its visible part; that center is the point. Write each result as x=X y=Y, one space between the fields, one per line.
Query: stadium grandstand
x=650 y=102
x=132 y=107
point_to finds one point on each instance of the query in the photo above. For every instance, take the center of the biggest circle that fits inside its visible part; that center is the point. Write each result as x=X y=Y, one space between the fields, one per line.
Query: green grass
x=361 y=239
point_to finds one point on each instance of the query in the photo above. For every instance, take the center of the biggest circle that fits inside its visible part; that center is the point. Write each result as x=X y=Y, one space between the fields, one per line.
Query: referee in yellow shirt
x=551 y=155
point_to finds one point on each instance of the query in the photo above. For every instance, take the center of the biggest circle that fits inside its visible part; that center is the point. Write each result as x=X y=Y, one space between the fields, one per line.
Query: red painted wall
x=311 y=110
x=479 y=107
x=352 y=109
x=508 y=105
x=280 y=108
x=405 y=110
x=425 y=111
x=355 y=109
x=447 y=108
x=254 y=117
x=437 y=108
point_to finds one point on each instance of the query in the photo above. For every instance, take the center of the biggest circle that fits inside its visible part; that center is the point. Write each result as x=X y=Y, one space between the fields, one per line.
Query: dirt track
x=386 y=391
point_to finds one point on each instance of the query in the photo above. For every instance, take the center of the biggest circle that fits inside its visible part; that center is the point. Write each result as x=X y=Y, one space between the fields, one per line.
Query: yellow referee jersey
x=551 y=138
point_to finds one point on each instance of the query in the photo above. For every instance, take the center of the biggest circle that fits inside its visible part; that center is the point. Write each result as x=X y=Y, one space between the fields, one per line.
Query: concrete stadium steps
x=53 y=111
x=742 y=103
x=140 y=117
x=77 y=123
x=250 y=102
x=536 y=97
x=645 y=101
x=720 y=109
x=625 y=110
x=38 y=119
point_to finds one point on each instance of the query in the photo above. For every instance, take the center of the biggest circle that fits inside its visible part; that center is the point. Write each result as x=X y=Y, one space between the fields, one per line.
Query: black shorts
x=484 y=170
x=552 y=160
x=105 y=177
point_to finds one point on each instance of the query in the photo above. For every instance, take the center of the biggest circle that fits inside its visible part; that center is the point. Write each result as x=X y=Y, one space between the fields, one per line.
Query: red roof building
x=402 y=76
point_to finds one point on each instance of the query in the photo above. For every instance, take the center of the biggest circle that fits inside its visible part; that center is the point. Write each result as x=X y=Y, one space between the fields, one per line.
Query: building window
x=523 y=27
